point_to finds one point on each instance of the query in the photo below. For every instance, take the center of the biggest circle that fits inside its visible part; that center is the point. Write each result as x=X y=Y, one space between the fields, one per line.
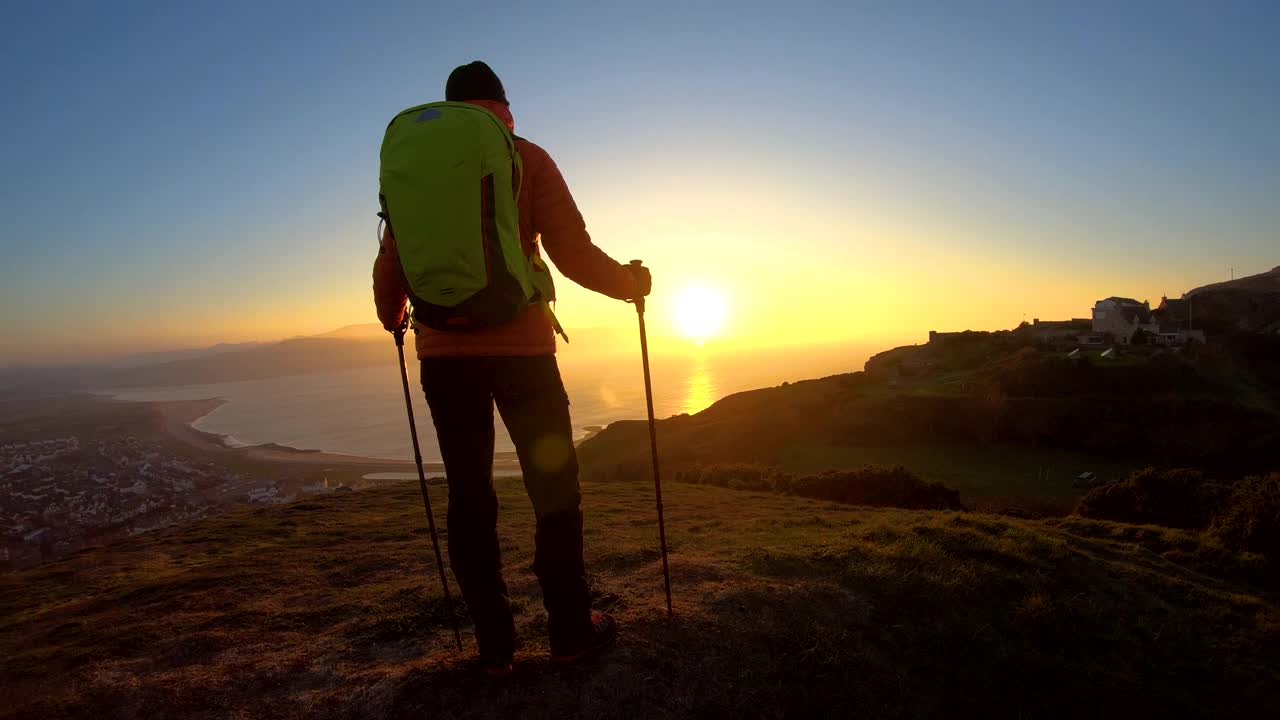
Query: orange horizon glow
x=806 y=303
x=885 y=271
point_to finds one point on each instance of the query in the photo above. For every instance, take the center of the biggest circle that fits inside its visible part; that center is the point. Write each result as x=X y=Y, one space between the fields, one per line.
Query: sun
x=699 y=313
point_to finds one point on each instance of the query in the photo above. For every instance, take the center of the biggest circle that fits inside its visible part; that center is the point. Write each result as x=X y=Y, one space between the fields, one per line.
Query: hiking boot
x=604 y=630
x=498 y=669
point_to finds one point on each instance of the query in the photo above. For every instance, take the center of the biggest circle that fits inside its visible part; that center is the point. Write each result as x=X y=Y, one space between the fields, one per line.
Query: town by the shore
x=80 y=470
x=84 y=469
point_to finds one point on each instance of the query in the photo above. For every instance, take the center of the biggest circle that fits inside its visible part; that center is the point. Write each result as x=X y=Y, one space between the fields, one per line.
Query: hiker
x=513 y=364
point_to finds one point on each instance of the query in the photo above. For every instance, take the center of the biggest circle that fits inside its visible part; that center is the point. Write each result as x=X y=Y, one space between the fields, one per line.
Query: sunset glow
x=670 y=359
x=993 y=178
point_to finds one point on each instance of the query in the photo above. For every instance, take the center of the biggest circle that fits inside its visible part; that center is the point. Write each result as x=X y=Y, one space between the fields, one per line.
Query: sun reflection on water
x=700 y=387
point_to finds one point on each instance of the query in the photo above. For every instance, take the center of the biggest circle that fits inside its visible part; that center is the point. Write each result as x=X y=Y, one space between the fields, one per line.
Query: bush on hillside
x=1250 y=516
x=874 y=485
x=878 y=486
x=736 y=476
x=1028 y=507
x=1179 y=498
x=1028 y=373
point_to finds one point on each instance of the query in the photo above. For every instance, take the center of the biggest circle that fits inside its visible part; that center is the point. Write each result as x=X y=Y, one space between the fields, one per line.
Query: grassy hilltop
x=784 y=607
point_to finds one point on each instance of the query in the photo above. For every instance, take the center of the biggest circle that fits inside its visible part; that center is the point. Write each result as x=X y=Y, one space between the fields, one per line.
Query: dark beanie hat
x=474 y=81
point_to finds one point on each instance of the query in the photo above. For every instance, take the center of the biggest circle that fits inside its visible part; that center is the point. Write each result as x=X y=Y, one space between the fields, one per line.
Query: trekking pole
x=422 y=482
x=653 y=444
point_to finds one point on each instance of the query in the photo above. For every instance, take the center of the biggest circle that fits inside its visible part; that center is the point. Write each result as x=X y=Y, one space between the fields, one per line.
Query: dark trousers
x=530 y=396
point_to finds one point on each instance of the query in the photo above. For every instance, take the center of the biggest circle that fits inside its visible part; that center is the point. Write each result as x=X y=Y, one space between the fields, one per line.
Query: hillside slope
x=1264 y=282
x=1214 y=407
x=1246 y=305
x=327 y=608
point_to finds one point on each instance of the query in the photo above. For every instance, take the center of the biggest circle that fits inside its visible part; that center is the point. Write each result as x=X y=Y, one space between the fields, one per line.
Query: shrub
x=1177 y=498
x=737 y=476
x=1022 y=506
x=878 y=486
x=1250 y=516
x=872 y=485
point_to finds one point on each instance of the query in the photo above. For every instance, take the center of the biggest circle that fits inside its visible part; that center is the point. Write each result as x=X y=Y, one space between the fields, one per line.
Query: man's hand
x=644 y=280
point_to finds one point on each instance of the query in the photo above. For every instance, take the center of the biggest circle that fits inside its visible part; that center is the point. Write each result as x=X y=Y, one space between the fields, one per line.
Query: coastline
x=176 y=418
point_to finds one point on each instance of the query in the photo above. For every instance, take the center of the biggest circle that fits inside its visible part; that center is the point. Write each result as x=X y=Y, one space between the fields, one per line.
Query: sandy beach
x=176 y=417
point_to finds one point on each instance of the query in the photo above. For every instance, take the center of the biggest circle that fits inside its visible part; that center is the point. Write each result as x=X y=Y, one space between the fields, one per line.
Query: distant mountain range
x=164 y=356
x=365 y=331
x=346 y=348
x=289 y=357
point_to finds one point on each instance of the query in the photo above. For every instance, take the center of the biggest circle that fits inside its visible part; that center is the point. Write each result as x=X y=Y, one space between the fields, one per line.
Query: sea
x=361 y=412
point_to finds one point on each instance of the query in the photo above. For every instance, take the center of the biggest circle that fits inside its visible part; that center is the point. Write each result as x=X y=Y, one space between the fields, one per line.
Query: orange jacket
x=547 y=212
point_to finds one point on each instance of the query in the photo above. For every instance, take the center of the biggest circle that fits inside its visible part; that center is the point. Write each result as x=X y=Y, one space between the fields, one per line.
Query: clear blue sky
x=175 y=174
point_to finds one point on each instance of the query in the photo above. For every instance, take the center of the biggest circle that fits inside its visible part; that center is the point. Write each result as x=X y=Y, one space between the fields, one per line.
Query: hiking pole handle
x=399 y=334
x=638 y=302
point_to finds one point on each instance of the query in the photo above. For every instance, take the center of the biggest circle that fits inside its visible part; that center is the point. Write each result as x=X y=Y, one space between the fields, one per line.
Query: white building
x=1122 y=317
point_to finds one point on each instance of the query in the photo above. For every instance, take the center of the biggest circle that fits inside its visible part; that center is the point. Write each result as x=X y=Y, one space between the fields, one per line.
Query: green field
x=784 y=607
x=976 y=472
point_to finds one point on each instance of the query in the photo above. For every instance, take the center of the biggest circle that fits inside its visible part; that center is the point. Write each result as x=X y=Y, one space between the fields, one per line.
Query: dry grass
x=784 y=608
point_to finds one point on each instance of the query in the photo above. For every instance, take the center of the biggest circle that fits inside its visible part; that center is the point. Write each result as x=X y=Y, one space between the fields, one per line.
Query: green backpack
x=448 y=184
